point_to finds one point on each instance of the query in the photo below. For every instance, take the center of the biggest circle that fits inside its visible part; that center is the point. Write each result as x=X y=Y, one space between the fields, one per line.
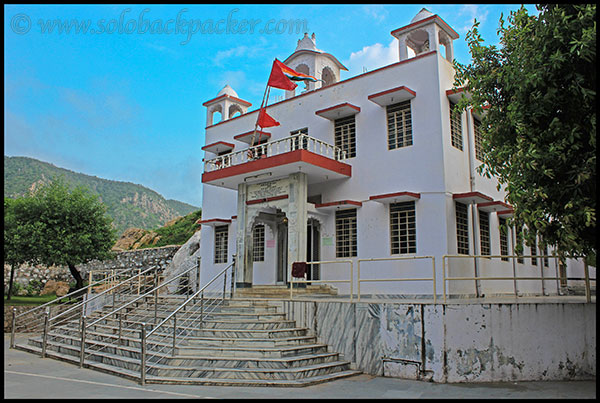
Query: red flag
x=264 y=120
x=279 y=80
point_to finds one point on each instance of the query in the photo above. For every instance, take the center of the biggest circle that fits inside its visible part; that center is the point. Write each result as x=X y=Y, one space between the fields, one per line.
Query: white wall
x=431 y=167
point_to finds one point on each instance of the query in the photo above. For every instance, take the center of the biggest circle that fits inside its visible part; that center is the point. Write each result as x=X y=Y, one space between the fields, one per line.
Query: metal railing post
x=351 y=280
x=434 y=280
x=114 y=293
x=155 y=306
x=174 y=333
x=143 y=354
x=12 y=328
x=198 y=272
x=588 y=294
x=201 y=308
x=45 y=339
x=139 y=280
x=444 y=276
x=120 y=326
x=234 y=257
x=542 y=275
x=224 y=285
x=358 y=278
x=82 y=347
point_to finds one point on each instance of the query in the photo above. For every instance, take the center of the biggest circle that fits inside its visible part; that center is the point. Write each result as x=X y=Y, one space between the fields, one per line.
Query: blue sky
x=125 y=102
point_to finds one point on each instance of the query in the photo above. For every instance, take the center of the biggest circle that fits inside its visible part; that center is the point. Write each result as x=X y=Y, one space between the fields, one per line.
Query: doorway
x=313 y=238
x=282 y=248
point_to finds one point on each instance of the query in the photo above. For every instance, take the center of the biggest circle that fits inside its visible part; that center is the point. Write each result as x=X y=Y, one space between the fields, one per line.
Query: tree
x=539 y=125
x=58 y=226
x=16 y=242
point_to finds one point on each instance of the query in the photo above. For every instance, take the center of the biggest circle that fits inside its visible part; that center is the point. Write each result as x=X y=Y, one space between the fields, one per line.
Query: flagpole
x=265 y=95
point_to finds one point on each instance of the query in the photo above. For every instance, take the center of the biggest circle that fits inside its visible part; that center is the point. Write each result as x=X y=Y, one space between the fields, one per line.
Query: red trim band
x=266 y=199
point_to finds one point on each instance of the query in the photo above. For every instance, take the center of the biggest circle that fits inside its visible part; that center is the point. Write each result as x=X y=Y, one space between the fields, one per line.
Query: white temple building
x=370 y=167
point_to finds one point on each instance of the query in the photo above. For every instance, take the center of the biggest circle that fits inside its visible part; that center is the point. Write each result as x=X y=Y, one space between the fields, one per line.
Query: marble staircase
x=244 y=342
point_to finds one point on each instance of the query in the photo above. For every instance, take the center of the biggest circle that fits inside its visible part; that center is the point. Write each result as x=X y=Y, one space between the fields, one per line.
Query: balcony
x=299 y=153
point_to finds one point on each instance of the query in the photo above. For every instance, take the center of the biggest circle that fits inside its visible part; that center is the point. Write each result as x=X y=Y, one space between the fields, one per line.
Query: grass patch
x=35 y=300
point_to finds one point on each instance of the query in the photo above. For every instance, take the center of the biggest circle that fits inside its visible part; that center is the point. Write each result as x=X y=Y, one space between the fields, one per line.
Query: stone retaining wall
x=482 y=342
x=142 y=258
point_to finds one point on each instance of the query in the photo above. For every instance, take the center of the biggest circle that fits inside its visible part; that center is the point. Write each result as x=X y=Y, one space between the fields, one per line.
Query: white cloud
x=377 y=12
x=223 y=55
x=472 y=12
x=372 y=57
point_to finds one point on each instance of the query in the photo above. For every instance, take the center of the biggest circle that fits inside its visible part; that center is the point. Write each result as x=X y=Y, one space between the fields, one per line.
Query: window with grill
x=519 y=243
x=345 y=233
x=345 y=135
x=462 y=228
x=399 y=125
x=478 y=139
x=221 y=238
x=484 y=232
x=403 y=232
x=544 y=252
x=503 y=238
x=456 y=126
x=258 y=243
x=534 y=252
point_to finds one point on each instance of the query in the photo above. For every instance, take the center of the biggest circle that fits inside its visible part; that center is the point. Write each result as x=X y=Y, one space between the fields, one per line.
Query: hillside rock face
x=128 y=204
x=132 y=238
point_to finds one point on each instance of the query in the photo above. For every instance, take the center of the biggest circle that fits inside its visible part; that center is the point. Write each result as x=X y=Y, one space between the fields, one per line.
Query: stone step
x=151 y=379
x=251 y=352
x=160 y=370
x=197 y=314
x=242 y=342
x=129 y=358
x=135 y=331
x=188 y=341
x=207 y=323
x=110 y=343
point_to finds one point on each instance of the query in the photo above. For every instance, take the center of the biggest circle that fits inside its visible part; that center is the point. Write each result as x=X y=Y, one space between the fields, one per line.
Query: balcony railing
x=270 y=149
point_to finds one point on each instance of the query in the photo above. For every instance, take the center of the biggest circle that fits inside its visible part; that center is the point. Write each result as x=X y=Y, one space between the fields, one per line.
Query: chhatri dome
x=421 y=15
x=227 y=90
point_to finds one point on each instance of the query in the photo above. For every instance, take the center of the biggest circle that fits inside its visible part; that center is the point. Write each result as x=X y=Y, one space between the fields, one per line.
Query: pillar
x=297 y=219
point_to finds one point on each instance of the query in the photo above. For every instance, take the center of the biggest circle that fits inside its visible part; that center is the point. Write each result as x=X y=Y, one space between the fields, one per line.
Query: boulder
x=60 y=288
x=184 y=258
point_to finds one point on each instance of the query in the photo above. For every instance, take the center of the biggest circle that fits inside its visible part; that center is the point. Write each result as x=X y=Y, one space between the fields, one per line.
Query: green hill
x=129 y=204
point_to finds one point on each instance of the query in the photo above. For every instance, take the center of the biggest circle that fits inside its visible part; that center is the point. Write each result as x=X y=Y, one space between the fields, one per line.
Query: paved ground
x=29 y=376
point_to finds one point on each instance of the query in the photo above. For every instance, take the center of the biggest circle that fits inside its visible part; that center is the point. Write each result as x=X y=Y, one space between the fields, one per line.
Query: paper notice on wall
x=327 y=241
x=270 y=243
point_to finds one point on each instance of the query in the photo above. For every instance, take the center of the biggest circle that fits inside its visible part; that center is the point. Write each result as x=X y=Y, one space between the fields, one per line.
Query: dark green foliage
x=540 y=129
x=57 y=226
x=128 y=204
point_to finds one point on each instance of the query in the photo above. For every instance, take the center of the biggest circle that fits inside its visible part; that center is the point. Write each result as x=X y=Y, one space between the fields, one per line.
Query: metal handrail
x=432 y=279
x=85 y=325
x=292 y=281
x=194 y=295
x=81 y=292
x=543 y=278
x=107 y=291
x=141 y=296
x=78 y=291
x=173 y=315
